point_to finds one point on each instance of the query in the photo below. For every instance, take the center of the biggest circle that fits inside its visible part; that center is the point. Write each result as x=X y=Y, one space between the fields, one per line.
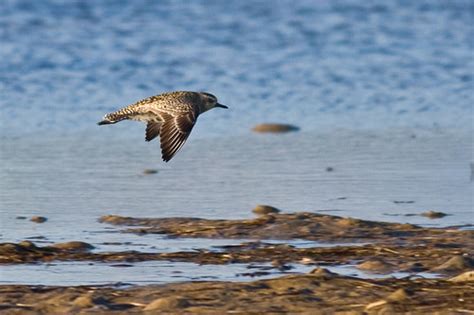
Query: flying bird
x=171 y=116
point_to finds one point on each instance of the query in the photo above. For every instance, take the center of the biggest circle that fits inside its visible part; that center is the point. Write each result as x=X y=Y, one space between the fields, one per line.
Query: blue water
x=383 y=92
x=317 y=64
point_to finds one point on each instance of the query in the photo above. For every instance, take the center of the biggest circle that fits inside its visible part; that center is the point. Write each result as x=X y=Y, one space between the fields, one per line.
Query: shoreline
x=386 y=248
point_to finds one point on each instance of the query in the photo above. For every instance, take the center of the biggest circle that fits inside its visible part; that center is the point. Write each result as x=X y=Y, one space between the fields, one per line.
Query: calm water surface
x=383 y=94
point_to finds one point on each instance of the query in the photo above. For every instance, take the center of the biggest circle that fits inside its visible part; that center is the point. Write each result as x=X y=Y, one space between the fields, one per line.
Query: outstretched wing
x=174 y=131
x=152 y=130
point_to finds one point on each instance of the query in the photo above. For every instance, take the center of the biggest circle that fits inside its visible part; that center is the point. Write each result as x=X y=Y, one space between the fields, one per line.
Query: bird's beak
x=220 y=105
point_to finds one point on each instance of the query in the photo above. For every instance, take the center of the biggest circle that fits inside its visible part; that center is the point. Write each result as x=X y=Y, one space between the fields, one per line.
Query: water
x=383 y=94
x=158 y=272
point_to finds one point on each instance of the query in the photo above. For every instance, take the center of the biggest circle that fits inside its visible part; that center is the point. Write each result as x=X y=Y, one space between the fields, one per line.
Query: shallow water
x=76 y=179
x=157 y=272
x=382 y=93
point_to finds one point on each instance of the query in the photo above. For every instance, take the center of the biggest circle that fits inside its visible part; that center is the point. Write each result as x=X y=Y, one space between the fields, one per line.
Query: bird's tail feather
x=115 y=117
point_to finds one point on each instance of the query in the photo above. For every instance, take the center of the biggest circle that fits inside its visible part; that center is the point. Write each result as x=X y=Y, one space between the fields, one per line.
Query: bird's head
x=209 y=101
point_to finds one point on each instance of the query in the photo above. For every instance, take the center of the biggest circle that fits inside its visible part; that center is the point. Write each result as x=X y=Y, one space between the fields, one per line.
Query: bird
x=170 y=115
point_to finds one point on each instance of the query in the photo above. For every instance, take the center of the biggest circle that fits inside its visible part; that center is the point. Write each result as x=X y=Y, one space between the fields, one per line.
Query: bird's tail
x=115 y=117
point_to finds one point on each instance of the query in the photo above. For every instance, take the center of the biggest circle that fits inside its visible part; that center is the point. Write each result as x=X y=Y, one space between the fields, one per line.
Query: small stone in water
x=275 y=128
x=434 y=214
x=38 y=219
x=150 y=171
x=264 y=210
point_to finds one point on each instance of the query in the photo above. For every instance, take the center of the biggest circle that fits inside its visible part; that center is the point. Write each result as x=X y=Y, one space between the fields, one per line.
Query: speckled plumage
x=169 y=115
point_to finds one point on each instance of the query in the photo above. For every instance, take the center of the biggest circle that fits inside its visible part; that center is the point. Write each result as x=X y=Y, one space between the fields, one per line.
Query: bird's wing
x=152 y=130
x=174 y=131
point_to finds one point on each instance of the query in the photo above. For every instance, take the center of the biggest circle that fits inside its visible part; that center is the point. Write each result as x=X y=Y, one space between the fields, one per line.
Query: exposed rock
x=323 y=272
x=455 y=263
x=464 y=277
x=434 y=214
x=376 y=265
x=83 y=301
x=399 y=295
x=150 y=171
x=38 y=219
x=264 y=210
x=73 y=246
x=27 y=245
x=275 y=128
x=167 y=304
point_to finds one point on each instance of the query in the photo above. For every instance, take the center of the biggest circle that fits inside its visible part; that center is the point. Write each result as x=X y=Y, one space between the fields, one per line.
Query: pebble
x=455 y=263
x=27 y=244
x=264 y=210
x=275 y=128
x=398 y=296
x=38 y=219
x=73 y=246
x=167 y=303
x=84 y=301
x=150 y=171
x=467 y=276
x=323 y=272
x=434 y=214
x=375 y=265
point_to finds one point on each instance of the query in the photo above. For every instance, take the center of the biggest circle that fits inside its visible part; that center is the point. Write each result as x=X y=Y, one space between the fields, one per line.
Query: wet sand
x=445 y=254
x=318 y=293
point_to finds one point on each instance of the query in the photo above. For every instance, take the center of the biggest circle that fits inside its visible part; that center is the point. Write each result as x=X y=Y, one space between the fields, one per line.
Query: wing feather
x=174 y=132
x=152 y=130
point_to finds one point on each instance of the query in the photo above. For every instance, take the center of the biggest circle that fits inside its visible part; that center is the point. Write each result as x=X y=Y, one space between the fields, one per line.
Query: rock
x=73 y=246
x=414 y=267
x=264 y=219
x=264 y=210
x=464 y=277
x=84 y=301
x=167 y=303
x=434 y=214
x=329 y=169
x=455 y=263
x=88 y=300
x=114 y=219
x=323 y=272
x=376 y=265
x=307 y=261
x=398 y=296
x=38 y=219
x=375 y=304
x=345 y=222
x=27 y=244
x=280 y=265
x=150 y=171
x=275 y=128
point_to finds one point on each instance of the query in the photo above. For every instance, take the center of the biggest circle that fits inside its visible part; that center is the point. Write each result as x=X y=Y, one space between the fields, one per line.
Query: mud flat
x=445 y=256
x=320 y=292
